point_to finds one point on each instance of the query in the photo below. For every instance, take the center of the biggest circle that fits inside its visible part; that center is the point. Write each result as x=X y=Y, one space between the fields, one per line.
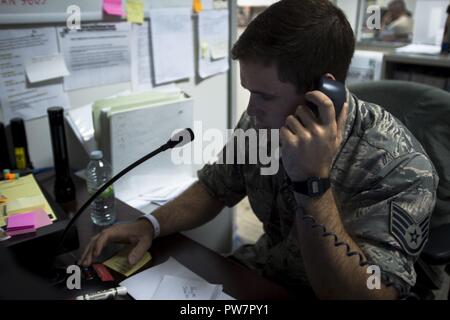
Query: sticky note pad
x=42 y=218
x=120 y=263
x=21 y=223
x=135 y=11
x=113 y=7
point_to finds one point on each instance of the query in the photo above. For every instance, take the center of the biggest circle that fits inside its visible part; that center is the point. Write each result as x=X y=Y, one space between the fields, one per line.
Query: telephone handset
x=334 y=90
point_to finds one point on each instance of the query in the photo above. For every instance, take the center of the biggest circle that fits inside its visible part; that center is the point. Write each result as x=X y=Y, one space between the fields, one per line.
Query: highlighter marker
x=20 y=144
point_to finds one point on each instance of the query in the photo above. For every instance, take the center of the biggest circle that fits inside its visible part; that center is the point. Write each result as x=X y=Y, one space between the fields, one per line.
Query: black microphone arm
x=178 y=140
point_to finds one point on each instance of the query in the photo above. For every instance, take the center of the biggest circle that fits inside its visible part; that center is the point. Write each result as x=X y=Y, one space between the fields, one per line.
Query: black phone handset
x=333 y=89
x=338 y=94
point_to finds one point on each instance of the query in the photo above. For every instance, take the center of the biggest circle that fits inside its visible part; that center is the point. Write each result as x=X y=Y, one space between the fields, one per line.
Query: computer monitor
x=429 y=21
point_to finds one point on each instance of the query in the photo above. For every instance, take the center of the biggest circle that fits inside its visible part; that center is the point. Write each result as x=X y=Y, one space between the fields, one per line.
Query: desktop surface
x=238 y=281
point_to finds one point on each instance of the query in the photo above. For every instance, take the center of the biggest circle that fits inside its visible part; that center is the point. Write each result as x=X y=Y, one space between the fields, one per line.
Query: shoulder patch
x=411 y=235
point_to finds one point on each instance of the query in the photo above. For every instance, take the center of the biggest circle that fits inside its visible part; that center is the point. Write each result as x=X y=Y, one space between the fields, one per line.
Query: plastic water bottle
x=97 y=173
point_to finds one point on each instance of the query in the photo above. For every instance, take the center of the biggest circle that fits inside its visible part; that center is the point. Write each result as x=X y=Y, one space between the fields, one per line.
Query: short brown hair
x=304 y=38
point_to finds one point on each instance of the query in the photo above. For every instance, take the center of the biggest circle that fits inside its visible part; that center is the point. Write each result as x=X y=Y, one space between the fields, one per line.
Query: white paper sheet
x=141 y=73
x=96 y=55
x=157 y=190
x=172 y=44
x=143 y=285
x=41 y=68
x=176 y=288
x=80 y=120
x=420 y=49
x=17 y=97
x=213 y=42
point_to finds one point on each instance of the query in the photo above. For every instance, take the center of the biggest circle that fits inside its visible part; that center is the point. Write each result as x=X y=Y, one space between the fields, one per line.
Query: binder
x=130 y=127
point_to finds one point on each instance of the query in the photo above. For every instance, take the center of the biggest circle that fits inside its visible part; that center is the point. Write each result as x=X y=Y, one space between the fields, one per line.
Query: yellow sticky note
x=135 y=11
x=120 y=263
x=197 y=5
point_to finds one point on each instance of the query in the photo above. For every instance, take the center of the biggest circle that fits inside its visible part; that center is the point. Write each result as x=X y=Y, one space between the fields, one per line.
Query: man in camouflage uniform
x=379 y=165
x=383 y=186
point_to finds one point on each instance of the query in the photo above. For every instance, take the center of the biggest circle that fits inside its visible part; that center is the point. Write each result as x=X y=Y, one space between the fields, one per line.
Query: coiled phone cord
x=324 y=233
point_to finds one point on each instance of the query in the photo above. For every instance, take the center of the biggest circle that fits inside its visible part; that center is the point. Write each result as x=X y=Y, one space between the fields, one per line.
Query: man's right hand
x=139 y=233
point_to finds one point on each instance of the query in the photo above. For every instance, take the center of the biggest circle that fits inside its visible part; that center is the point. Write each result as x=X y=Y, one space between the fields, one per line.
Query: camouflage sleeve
x=391 y=220
x=225 y=182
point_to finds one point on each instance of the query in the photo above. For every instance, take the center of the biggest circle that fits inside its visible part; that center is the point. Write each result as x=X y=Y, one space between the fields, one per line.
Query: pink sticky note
x=42 y=218
x=113 y=7
x=22 y=221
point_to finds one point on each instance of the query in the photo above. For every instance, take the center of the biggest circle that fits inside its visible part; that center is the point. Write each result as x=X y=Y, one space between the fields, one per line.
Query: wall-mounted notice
x=19 y=98
x=172 y=44
x=97 y=54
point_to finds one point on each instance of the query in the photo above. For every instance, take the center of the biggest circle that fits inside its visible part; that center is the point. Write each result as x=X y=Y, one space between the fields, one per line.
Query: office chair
x=425 y=111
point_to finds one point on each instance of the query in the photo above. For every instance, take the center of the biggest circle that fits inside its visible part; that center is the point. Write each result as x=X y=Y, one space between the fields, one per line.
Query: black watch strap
x=313 y=187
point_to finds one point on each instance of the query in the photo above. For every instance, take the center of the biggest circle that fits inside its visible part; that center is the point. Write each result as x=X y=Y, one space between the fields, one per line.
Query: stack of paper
x=158 y=191
x=23 y=195
x=172 y=281
x=27 y=222
x=176 y=288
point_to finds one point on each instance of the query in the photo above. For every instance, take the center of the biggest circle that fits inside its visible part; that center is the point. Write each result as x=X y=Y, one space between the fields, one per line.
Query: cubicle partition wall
x=213 y=96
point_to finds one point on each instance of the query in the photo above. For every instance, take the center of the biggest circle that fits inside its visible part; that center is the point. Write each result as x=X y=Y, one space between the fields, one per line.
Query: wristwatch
x=313 y=187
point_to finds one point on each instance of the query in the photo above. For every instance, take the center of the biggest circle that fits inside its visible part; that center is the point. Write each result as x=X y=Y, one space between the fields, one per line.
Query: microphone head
x=181 y=138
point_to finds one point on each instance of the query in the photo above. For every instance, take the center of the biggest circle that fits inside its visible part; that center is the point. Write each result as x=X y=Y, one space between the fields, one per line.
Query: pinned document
x=113 y=7
x=213 y=42
x=141 y=75
x=135 y=11
x=17 y=97
x=41 y=68
x=172 y=44
x=120 y=263
x=101 y=49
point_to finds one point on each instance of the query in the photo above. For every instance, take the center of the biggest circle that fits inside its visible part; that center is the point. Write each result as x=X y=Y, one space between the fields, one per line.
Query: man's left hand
x=309 y=144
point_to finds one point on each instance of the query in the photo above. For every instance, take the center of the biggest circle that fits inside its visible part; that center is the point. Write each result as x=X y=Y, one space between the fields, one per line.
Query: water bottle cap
x=96 y=155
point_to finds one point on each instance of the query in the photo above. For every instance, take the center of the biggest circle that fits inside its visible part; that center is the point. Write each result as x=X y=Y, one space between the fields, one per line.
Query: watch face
x=314 y=187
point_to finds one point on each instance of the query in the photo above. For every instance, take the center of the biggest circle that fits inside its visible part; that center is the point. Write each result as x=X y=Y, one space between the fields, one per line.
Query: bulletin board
x=213 y=96
x=44 y=11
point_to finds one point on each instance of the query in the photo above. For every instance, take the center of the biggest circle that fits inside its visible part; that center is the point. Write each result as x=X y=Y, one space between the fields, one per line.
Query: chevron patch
x=411 y=235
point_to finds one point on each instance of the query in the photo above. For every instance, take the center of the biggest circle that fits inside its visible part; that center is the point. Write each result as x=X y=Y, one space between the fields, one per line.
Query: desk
x=239 y=282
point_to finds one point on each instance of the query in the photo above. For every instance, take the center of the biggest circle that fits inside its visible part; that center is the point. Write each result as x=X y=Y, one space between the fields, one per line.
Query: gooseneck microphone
x=179 y=139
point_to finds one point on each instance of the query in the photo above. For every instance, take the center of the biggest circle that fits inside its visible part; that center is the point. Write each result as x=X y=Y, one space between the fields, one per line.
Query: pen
x=105 y=294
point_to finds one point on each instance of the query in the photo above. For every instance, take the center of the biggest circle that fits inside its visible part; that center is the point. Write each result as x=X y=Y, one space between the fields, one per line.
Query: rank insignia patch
x=411 y=235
